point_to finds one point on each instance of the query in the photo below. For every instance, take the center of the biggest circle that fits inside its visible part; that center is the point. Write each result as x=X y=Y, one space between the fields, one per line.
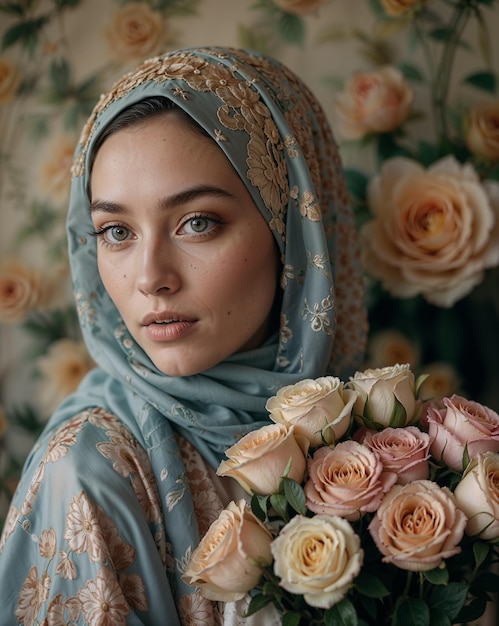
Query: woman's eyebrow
x=192 y=193
x=169 y=202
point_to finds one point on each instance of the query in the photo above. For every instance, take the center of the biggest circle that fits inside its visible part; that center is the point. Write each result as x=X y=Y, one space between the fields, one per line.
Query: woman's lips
x=169 y=329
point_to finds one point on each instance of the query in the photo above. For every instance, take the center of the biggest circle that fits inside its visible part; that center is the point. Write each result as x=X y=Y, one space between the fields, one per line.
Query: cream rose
x=136 y=31
x=20 y=290
x=319 y=409
x=387 y=396
x=10 y=79
x=259 y=460
x=396 y=8
x=318 y=557
x=347 y=480
x=478 y=496
x=229 y=560
x=300 y=7
x=417 y=526
x=461 y=424
x=373 y=102
x=404 y=451
x=56 y=172
x=434 y=231
x=61 y=369
x=482 y=135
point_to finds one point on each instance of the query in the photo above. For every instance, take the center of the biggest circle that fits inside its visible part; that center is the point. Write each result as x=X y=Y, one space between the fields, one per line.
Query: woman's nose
x=158 y=269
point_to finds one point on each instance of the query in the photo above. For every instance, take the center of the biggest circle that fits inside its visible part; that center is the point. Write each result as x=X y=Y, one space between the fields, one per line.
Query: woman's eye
x=118 y=233
x=199 y=225
x=113 y=234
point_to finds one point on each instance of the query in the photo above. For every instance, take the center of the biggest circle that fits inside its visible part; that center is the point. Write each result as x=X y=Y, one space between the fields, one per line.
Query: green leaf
x=437 y=576
x=486 y=81
x=280 y=504
x=341 y=614
x=449 y=598
x=398 y=418
x=481 y=551
x=371 y=586
x=412 y=612
x=291 y=619
x=257 y=603
x=295 y=495
x=259 y=506
x=11 y=7
x=25 y=33
x=60 y=75
x=439 y=618
x=411 y=72
x=291 y=28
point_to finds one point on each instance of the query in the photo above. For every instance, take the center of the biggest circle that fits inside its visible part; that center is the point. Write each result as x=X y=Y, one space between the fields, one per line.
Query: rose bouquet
x=369 y=505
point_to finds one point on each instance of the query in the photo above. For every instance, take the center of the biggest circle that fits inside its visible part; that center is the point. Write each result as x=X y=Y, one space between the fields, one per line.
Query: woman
x=214 y=260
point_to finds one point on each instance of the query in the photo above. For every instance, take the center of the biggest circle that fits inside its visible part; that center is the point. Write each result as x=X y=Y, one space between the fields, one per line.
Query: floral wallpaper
x=410 y=88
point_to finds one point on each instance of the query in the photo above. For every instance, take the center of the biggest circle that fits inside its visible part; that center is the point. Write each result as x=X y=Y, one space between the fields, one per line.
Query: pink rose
x=373 y=102
x=417 y=526
x=229 y=559
x=347 y=480
x=404 y=451
x=478 y=496
x=462 y=424
x=259 y=460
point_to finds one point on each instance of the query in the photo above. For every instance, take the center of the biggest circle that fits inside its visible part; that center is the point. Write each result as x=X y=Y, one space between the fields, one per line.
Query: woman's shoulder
x=92 y=453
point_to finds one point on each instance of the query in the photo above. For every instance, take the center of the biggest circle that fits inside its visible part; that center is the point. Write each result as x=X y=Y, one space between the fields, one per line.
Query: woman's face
x=183 y=251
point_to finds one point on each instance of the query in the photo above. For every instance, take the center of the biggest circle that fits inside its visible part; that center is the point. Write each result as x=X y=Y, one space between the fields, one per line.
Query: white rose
x=318 y=557
x=319 y=409
x=387 y=396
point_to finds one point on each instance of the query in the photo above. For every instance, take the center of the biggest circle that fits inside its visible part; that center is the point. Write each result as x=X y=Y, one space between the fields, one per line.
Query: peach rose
x=373 y=102
x=62 y=369
x=461 y=424
x=482 y=135
x=396 y=8
x=387 y=396
x=417 y=526
x=347 y=480
x=136 y=31
x=478 y=496
x=20 y=290
x=56 y=172
x=319 y=409
x=318 y=558
x=259 y=460
x=434 y=231
x=442 y=380
x=404 y=451
x=389 y=347
x=10 y=79
x=228 y=561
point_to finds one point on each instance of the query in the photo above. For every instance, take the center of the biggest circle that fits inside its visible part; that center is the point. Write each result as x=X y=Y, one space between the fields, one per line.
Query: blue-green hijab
x=275 y=134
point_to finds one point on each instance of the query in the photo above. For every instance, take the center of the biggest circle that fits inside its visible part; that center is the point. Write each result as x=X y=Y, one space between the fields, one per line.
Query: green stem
x=440 y=88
